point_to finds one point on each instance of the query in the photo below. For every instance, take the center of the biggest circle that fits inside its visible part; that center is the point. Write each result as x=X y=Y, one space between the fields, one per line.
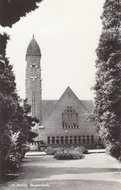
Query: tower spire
x=33 y=79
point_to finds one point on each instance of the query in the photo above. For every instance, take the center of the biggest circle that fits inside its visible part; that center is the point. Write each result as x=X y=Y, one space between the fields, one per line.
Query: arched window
x=70 y=118
x=33 y=73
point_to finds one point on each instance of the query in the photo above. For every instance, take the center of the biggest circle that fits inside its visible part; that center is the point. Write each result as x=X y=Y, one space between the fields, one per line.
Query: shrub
x=114 y=150
x=82 y=149
x=69 y=153
x=51 y=150
x=12 y=163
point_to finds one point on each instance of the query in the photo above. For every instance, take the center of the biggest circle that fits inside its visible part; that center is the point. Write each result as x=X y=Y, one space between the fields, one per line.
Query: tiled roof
x=88 y=104
x=47 y=106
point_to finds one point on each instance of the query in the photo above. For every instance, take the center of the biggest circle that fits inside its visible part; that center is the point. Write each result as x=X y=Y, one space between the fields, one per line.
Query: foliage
x=69 y=153
x=12 y=10
x=8 y=97
x=66 y=152
x=15 y=123
x=115 y=150
x=108 y=79
x=14 y=118
x=51 y=150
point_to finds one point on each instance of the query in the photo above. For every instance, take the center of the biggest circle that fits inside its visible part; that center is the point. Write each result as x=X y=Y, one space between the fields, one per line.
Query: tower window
x=33 y=72
x=33 y=103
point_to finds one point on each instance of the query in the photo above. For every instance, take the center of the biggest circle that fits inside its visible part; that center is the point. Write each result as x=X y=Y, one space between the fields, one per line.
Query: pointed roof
x=49 y=105
x=33 y=48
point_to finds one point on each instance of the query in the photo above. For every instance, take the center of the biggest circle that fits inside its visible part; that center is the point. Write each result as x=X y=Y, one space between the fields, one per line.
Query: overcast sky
x=67 y=32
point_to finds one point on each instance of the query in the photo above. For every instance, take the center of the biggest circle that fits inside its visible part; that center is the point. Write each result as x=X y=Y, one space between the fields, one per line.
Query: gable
x=68 y=98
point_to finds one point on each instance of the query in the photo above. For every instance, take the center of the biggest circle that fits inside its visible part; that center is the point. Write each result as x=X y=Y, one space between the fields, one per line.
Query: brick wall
x=53 y=123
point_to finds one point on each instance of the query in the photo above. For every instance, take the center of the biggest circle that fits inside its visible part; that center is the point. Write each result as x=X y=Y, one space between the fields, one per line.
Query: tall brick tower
x=33 y=79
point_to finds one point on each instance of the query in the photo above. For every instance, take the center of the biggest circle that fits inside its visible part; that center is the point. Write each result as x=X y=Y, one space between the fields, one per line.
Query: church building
x=62 y=122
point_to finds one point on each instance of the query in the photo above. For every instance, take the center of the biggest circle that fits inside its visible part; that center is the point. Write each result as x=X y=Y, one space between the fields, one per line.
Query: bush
x=69 y=153
x=51 y=150
x=14 y=158
x=114 y=150
x=83 y=149
x=12 y=163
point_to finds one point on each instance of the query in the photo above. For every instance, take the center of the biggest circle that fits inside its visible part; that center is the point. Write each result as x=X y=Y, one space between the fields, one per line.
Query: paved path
x=37 y=153
x=94 y=172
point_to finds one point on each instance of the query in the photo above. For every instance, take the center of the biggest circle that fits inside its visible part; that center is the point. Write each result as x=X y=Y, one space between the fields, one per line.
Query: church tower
x=33 y=79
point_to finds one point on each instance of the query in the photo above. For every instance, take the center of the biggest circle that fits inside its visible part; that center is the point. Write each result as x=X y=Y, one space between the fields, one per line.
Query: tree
x=20 y=128
x=108 y=79
x=12 y=132
x=12 y=10
x=14 y=118
x=8 y=97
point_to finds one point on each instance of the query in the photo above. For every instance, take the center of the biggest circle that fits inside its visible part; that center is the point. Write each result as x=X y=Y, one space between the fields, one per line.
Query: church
x=62 y=122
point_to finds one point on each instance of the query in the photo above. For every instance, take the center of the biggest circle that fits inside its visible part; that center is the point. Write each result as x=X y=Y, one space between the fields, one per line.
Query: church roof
x=33 y=48
x=48 y=105
x=88 y=104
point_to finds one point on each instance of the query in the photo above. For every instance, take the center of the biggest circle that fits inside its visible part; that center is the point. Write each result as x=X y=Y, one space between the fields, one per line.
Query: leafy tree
x=12 y=10
x=108 y=79
x=13 y=133
x=20 y=126
x=14 y=118
x=22 y=122
x=15 y=124
x=8 y=98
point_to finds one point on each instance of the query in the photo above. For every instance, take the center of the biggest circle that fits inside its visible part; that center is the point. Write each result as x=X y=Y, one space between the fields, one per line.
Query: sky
x=67 y=32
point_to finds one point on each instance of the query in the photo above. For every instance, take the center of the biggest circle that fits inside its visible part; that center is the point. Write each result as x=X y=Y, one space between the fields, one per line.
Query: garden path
x=96 y=171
